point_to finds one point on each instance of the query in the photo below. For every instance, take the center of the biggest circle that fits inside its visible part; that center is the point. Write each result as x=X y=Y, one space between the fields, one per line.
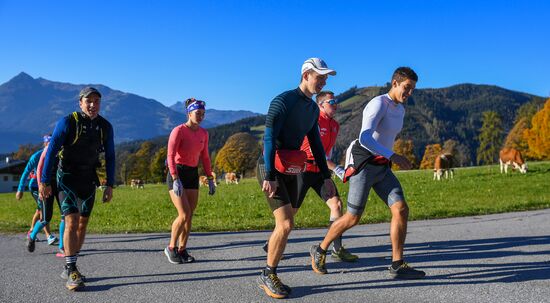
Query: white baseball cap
x=318 y=65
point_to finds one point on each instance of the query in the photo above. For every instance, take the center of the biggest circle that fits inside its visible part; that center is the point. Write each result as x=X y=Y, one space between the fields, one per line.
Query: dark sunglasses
x=331 y=102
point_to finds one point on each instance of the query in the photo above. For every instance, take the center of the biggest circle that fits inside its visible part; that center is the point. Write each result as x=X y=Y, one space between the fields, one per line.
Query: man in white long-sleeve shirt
x=372 y=156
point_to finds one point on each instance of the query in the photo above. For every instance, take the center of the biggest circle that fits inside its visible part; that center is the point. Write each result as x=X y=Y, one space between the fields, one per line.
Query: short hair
x=402 y=73
x=322 y=94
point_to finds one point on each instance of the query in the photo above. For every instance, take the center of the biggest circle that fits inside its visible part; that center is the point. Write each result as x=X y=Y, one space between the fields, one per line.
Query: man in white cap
x=292 y=115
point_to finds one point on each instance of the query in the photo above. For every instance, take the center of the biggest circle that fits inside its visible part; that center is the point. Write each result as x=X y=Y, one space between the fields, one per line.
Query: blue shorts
x=378 y=177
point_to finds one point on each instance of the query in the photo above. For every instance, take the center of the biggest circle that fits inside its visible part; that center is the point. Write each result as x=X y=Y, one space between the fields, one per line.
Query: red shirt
x=186 y=147
x=328 y=128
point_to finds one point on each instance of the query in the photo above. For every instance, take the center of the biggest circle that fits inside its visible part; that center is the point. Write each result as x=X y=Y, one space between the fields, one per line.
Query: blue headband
x=47 y=138
x=195 y=105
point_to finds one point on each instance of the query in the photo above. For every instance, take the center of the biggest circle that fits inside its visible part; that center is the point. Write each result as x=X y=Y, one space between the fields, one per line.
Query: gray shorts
x=381 y=179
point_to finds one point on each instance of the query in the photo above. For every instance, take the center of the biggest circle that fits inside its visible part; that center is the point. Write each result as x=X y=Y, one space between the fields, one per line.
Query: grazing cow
x=137 y=183
x=203 y=180
x=444 y=163
x=511 y=156
x=231 y=178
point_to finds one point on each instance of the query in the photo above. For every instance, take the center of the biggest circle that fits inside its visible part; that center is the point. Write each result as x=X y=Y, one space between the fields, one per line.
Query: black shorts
x=287 y=192
x=76 y=192
x=316 y=181
x=47 y=205
x=189 y=177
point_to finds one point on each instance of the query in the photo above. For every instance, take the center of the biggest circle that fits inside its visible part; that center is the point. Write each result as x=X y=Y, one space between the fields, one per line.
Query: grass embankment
x=473 y=191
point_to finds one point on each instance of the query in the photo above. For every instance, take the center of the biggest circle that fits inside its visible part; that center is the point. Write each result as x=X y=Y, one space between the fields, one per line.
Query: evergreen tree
x=158 y=169
x=490 y=138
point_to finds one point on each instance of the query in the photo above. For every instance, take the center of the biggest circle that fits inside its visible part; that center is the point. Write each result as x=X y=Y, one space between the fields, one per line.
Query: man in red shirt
x=312 y=177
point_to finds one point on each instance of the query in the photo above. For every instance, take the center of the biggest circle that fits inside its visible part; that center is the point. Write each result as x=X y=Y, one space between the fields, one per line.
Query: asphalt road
x=495 y=258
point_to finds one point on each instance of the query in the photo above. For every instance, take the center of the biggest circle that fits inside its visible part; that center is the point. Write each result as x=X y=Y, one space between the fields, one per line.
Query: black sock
x=320 y=250
x=269 y=270
x=396 y=264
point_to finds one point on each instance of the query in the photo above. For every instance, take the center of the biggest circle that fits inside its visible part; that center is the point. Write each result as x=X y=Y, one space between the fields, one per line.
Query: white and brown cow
x=203 y=180
x=444 y=163
x=137 y=183
x=511 y=156
x=231 y=178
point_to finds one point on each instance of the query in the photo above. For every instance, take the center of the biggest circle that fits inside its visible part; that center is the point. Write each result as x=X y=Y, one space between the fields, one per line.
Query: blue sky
x=240 y=54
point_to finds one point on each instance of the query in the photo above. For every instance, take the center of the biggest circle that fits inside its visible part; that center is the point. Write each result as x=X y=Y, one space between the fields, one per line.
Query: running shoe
x=343 y=255
x=74 y=280
x=317 y=260
x=406 y=272
x=52 y=239
x=172 y=256
x=272 y=286
x=185 y=256
x=30 y=243
x=65 y=274
x=60 y=253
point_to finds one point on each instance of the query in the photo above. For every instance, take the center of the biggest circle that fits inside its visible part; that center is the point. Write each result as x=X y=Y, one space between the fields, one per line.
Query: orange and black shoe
x=74 y=280
x=273 y=286
x=318 y=259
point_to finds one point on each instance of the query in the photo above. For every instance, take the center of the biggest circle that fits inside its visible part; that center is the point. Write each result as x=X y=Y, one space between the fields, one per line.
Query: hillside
x=435 y=115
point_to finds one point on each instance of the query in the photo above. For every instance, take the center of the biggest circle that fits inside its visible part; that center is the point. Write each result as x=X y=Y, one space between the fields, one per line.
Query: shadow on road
x=421 y=255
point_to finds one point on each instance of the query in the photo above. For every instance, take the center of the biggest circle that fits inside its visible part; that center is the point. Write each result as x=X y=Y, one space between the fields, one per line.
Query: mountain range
x=29 y=108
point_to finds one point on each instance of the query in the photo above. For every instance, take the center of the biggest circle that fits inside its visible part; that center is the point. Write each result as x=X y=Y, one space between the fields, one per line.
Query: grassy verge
x=474 y=191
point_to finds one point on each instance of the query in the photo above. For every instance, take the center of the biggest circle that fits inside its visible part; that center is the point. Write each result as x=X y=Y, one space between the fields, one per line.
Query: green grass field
x=474 y=191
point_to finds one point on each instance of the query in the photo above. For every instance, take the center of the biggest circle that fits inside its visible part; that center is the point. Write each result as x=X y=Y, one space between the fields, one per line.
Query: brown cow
x=444 y=163
x=231 y=178
x=203 y=180
x=511 y=156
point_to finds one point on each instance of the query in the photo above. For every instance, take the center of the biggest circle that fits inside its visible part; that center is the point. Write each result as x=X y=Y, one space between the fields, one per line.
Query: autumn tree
x=490 y=138
x=239 y=153
x=406 y=149
x=515 y=138
x=430 y=153
x=158 y=165
x=141 y=160
x=538 y=136
x=25 y=151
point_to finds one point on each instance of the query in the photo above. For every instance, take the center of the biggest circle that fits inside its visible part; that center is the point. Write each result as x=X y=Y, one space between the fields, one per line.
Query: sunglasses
x=331 y=102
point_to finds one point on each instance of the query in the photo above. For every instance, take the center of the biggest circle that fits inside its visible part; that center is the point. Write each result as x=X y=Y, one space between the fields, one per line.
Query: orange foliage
x=430 y=153
x=538 y=136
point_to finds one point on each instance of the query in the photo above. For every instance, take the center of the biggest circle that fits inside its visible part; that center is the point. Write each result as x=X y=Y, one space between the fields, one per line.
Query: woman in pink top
x=188 y=143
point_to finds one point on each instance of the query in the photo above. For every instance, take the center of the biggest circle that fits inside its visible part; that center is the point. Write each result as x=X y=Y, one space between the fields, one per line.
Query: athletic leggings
x=47 y=205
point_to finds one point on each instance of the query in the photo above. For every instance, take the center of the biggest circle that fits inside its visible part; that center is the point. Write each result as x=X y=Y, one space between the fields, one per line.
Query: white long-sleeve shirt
x=382 y=121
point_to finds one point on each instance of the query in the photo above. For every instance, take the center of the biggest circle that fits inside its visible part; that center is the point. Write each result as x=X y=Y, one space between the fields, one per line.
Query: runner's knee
x=335 y=205
x=400 y=210
x=285 y=226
